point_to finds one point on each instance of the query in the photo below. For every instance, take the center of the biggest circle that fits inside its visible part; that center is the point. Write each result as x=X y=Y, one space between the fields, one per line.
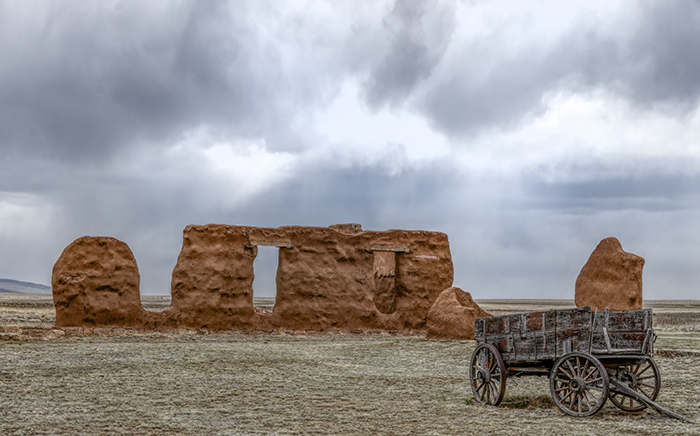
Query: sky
x=526 y=131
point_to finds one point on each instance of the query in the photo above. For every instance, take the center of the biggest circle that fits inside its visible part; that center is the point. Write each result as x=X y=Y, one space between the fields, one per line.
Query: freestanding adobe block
x=96 y=283
x=611 y=278
x=453 y=314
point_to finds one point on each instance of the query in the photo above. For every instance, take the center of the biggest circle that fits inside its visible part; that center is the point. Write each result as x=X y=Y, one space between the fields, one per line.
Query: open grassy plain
x=118 y=381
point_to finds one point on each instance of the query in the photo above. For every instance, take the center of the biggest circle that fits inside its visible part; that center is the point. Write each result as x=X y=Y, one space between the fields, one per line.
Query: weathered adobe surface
x=96 y=282
x=328 y=278
x=453 y=314
x=611 y=278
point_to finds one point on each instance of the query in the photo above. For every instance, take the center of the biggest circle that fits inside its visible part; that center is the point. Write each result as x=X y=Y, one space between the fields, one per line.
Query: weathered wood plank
x=548 y=335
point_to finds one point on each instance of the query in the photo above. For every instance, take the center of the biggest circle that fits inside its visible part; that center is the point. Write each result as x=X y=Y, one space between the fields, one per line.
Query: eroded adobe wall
x=95 y=282
x=328 y=278
x=212 y=280
x=324 y=280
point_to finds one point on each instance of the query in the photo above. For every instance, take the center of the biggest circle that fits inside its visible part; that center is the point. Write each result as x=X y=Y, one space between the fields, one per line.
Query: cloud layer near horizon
x=525 y=132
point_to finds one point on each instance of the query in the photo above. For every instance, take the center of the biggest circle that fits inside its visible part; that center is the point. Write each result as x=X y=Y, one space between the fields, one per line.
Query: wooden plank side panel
x=537 y=336
x=496 y=326
x=521 y=338
x=534 y=321
x=493 y=331
x=573 y=328
x=626 y=330
x=549 y=346
x=530 y=336
x=487 y=328
x=629 y=321
x=479 y=324
x=524 y=348
x=598 y=342
x=627 y=340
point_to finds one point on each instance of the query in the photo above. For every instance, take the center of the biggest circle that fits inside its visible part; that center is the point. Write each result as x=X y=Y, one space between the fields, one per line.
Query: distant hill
x=7 y=285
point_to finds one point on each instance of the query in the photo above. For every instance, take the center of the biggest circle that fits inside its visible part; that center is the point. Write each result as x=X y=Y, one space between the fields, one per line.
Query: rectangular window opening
x=265 y=277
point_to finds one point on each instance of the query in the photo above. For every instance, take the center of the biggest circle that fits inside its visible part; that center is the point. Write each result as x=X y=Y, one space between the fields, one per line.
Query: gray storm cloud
x=653 y=60
x=416 y=35
x=133 y=119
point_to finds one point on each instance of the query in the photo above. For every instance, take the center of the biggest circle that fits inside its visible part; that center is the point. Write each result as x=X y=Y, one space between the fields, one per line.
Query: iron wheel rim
x=644 y=378
x=487 y=375
x=579 y=384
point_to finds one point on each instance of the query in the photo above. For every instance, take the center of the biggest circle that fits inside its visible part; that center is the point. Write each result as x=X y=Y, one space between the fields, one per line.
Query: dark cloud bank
x=86 y=91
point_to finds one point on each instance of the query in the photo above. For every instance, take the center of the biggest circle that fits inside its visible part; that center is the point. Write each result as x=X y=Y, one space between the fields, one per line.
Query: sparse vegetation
x=116 y=381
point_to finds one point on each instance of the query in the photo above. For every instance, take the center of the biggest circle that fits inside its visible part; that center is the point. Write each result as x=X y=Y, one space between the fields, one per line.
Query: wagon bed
x=533 y=338
x=589 y=356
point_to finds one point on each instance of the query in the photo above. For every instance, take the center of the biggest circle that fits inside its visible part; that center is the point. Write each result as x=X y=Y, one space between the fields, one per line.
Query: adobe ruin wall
x=337 y=277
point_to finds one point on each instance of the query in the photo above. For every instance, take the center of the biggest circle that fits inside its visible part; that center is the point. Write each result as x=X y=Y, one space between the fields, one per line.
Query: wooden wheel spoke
x=567 y=395
x=481 y=358
x=590 y=382
x=479 y=387
x=494 y=390
x=579 y=371
x=566 y=373
x=573 y=370
x=595 y=388
x=593 y=397
x=643 y=371
x=645 y=385
x=585 y=398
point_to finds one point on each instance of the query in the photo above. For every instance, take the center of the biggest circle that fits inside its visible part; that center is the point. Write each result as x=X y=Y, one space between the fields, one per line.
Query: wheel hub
x=484 y=376
x=630 y=379
x=577 y=384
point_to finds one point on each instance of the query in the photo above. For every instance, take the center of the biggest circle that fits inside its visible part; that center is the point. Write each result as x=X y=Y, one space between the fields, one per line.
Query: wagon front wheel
x=642 y=377
x=487 y=375
x=579 y=384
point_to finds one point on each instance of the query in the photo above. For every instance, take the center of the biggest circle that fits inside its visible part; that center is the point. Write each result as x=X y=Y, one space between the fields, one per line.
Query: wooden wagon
x=589 y=356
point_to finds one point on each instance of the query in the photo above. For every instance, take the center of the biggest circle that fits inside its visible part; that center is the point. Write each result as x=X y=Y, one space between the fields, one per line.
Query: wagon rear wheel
x=579 y=384
x=487 y=375
x=644 y=378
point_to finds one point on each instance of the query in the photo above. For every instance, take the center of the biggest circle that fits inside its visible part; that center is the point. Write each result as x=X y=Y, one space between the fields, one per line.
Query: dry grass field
x=117 y=381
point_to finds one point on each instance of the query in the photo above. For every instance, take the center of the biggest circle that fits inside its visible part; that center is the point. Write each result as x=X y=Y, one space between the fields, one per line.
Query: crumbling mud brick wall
x=611 y=278
x=96 y=282
x=338 y=277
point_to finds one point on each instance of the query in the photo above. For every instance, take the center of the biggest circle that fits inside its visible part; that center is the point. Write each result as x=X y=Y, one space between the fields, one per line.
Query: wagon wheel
x=644 y=378
x=579 y=384
x=487 y=375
